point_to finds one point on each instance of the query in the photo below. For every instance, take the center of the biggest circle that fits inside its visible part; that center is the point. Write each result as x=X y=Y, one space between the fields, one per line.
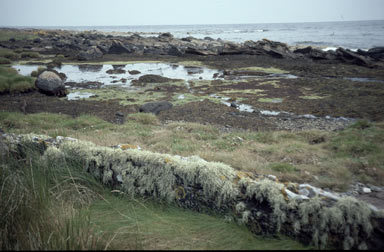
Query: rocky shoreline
x=93 y=45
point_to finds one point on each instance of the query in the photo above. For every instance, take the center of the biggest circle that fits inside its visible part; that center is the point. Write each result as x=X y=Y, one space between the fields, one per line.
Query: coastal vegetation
x=332 y=160
x=58 y=206
x=12 y=82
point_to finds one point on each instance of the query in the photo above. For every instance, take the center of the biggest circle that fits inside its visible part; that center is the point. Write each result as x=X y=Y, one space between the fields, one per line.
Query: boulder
x=134 y=72
x=155 y=107
x=50 y=83
x=165 y=37
x=152 y=78
x=91 y=54
x=116 y=71
x=118 y=47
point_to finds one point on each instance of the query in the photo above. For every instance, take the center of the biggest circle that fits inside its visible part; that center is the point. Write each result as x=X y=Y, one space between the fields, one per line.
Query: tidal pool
x=98 y=73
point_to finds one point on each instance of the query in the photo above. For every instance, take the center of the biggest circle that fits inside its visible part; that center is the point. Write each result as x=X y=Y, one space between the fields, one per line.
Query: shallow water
x=98 y=73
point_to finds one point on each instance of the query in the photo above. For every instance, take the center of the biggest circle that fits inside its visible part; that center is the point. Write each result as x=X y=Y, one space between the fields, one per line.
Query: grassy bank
x=327 y=159
x=12 y=82
x=57 y=206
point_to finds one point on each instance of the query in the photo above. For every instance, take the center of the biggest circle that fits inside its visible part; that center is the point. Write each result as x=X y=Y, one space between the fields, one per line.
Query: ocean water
x=348 y=34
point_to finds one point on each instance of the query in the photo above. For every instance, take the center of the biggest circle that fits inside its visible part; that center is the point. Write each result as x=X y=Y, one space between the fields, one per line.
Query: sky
x=181 y=12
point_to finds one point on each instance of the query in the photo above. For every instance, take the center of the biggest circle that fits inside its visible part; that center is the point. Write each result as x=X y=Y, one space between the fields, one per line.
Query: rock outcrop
x=90 y=46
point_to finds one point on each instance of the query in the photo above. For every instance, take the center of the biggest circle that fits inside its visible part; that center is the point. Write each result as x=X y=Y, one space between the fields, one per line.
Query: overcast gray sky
x=173 y=12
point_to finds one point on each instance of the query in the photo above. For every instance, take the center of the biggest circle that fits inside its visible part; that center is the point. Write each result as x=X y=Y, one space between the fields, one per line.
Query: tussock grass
x=40 y=205
x=326 y=159
x=12 y=82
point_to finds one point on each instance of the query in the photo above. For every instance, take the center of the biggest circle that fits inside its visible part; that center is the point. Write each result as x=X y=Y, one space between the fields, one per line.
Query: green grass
x=6 y=34
x=9 y=54
x=55 y=205
x=4 y=61
x=12 y=82
x=138 y=224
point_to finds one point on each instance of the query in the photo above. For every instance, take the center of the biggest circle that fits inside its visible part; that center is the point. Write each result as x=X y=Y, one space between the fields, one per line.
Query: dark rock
x=315 y=54
x=233 y=105
x=118 y=47
x=116 y=71
x=152 y=78
x=119 y=118
x=353 y=58
x=134 y=72
x=165 y=37
x=90 y=68
x=50 y=83
x=376 y=53
x=175 y=51
x=91 y=54
x=12 y=40
x=209 y=39
x=188 y=39
x=155 y=107
x=37 y=40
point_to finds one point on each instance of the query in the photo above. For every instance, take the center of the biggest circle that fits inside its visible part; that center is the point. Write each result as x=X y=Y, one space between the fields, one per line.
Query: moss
x=313 y=97
x=270 y=70
x=124 y=96
x=271 y=100
x=29 y=55
x=282 y=167
x=274 y=83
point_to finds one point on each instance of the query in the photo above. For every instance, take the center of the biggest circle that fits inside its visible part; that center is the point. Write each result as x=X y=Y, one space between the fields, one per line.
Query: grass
x=50 y=205
x=12 y=82
x=9 y=54
x=7 y=34
x=341 y=158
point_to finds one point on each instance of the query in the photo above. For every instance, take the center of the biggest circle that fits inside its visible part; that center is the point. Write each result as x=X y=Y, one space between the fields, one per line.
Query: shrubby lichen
x=346 y=222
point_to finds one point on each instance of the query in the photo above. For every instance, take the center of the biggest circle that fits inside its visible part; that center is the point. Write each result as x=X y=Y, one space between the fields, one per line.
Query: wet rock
x=353 y=58
x=116 y=71
x=90 y=68
x=50 y=83
x=91 y=54
x=155 y=107
x=153 y=78
x=134 y=72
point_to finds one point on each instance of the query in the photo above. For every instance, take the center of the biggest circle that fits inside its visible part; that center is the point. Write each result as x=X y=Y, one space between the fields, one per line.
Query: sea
x=327 y=35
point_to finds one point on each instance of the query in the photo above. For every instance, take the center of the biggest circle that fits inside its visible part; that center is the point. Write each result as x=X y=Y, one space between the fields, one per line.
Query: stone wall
x=263 y=205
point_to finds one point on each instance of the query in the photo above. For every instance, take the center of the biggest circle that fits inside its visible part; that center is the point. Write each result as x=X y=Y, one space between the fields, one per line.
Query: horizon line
x=296 y=22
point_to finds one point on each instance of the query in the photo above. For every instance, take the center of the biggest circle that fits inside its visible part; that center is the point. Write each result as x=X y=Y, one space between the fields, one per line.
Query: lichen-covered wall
x=265 y=206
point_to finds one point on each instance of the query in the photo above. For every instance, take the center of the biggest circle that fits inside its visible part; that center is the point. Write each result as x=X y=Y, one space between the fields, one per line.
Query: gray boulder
x=155 y=107
x=90 y=54
x=50 y=83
